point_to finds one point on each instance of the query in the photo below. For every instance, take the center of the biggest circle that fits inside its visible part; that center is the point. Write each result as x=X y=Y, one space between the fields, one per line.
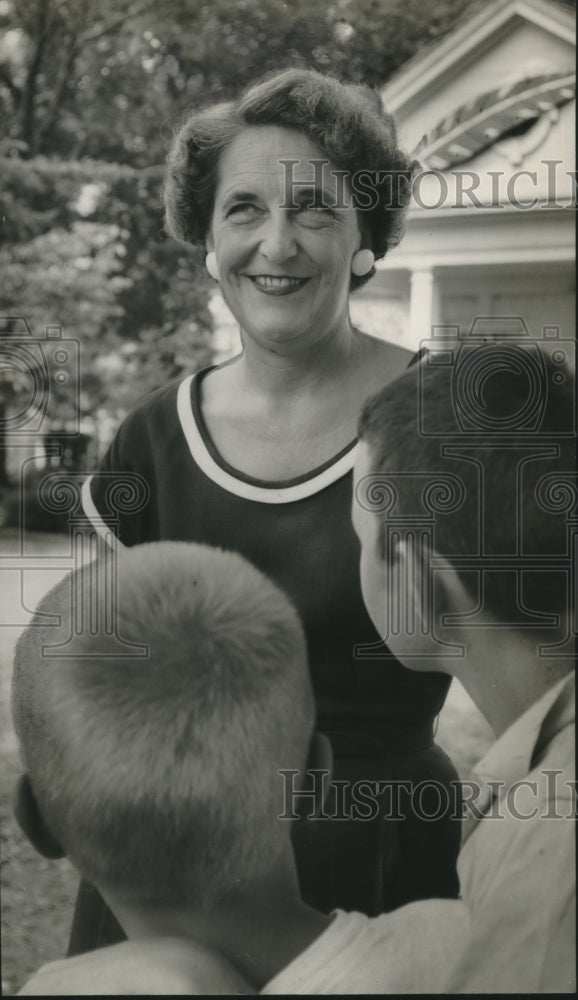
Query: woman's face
x=284 y=271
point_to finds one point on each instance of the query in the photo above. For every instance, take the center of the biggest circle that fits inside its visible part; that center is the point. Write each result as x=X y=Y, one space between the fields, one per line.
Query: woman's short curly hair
x=346 y=121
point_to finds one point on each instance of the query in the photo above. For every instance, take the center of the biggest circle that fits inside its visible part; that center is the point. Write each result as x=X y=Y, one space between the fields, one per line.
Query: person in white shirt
x=464 y=500
x=514 y=931
x=154 y=753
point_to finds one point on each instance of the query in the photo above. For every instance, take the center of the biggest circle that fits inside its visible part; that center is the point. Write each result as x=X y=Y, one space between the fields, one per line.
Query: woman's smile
x=272 y=284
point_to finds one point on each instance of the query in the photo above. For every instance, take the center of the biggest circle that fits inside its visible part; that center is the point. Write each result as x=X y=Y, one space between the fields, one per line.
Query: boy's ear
x=407 y=585
x=435 y=598
x=452 y=600
x=30 y=820
x=320 y=758
x=320 y=755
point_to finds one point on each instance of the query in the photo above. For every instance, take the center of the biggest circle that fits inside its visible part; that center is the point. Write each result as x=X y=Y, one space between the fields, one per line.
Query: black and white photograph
x=288 y=497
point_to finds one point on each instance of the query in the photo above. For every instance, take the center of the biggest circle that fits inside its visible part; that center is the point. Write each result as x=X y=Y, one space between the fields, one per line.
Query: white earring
x=362 y=263
x=211 y=265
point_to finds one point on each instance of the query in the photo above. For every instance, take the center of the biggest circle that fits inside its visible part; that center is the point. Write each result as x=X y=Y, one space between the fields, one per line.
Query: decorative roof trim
x=480 y=122
x=474 y=32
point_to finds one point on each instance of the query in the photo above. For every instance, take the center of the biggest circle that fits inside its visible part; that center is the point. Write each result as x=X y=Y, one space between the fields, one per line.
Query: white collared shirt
x=406 y=951
x=517 y=864
x=516 y=931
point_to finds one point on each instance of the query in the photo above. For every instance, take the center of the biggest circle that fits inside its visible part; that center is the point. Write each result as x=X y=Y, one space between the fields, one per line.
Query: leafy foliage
x=109 y=80
x=93 y=260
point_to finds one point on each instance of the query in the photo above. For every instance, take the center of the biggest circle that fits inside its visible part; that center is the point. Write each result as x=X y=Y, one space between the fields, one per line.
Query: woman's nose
x=278 y=238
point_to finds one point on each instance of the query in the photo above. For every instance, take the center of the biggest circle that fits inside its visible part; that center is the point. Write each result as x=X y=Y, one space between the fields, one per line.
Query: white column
x=421 y=305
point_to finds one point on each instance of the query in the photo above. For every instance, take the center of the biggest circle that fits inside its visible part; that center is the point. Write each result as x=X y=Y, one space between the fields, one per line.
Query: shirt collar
x=510 y=758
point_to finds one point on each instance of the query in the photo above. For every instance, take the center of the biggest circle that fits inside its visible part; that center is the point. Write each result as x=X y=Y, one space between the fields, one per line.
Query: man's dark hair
x=500 y=490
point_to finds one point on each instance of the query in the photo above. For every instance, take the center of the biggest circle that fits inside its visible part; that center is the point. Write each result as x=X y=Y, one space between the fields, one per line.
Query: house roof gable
x=474 y=34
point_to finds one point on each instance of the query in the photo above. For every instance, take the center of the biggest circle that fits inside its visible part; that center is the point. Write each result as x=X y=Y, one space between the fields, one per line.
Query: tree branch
x=51 y=114
x=6 y=79
x=29 y=109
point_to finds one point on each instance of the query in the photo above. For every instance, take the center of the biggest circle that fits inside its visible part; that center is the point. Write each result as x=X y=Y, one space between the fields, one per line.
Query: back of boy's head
x=487 y=462
x=158 y=775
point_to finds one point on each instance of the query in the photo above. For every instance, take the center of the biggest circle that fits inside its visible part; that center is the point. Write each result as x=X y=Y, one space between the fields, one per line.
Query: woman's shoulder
x=153 y=423
x=158 y=405
x=157 y=398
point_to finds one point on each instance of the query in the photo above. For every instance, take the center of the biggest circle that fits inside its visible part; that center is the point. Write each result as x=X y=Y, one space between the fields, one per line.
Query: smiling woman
x=267 y=252
x=256 y=455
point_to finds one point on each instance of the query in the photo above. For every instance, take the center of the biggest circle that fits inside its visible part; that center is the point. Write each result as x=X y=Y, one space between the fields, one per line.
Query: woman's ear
x=365 y=232
x=362 y=262
x=31 y=821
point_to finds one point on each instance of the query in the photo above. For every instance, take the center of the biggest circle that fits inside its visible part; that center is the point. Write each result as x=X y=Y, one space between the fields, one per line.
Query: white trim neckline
x=239 y=487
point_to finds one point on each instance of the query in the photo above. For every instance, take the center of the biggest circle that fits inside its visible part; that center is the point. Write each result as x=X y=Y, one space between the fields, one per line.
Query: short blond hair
x=159 y=774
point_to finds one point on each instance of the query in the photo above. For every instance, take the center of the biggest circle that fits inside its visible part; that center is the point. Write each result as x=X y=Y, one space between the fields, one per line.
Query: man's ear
x=31 y=822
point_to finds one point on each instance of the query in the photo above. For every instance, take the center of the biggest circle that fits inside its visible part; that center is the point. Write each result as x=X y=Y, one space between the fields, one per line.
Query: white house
x=489 y=113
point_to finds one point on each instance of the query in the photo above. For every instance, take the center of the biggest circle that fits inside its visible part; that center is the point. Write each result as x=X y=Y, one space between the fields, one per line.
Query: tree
x=97 y=264
x=64 y=66
x=109 y=80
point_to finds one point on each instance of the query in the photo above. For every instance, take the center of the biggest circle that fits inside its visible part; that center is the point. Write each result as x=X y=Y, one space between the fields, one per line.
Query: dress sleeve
x=116 y=498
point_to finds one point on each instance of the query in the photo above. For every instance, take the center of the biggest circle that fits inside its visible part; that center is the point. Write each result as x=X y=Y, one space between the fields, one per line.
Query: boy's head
x=459 y=494
x=158 y=774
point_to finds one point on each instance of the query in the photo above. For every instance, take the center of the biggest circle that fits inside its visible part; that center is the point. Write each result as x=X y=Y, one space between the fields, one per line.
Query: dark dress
x=378 y=715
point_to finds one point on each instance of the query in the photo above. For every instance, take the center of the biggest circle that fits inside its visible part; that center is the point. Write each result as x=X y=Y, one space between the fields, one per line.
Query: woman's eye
x=242 y=212
x=319 y=209
x=315 y=215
